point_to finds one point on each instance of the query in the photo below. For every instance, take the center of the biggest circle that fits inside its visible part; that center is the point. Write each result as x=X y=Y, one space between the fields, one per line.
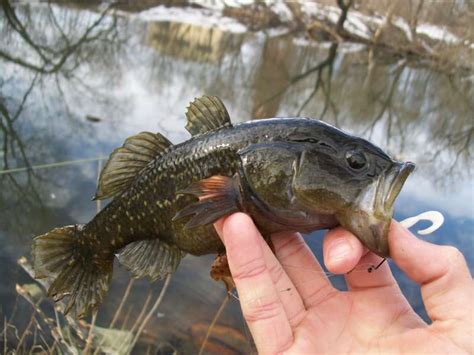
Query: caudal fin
x=60 y=256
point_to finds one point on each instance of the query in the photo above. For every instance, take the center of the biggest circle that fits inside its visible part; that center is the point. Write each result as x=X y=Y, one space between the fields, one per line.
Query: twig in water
x=152 y=311
x=5 y=335
x=126 y=318
x=213 y=323
x=27 y=329
x=142 y=313
x=98 y=201
x=58 y=324
x=122 y=302
x=90 y=335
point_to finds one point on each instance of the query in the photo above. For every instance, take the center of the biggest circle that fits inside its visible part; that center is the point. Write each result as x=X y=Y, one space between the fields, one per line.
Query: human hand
x=291 y=307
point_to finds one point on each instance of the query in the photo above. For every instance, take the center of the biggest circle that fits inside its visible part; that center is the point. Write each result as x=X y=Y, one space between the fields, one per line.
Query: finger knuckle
x=453 y=255
x=250 y=269
x=293 y=247
x=450 y=260
x=297 y=317
x=277 y=273
x=260 y=309
x=320 y=295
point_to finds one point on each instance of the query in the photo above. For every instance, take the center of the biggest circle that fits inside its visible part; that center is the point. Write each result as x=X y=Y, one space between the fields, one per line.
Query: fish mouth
x=389 y=187
x=371 y=217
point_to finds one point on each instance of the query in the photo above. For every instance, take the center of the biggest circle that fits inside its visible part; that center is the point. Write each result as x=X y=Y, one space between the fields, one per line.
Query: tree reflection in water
x=412 y=111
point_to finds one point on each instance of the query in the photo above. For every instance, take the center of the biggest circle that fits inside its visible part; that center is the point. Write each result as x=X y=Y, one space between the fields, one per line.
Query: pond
x=75 y=83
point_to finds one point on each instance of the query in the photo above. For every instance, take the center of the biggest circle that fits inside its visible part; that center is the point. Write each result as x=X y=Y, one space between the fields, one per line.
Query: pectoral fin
x=218 y=196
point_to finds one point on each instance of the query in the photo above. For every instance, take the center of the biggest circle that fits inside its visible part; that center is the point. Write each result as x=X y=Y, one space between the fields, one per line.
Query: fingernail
x=340 y=249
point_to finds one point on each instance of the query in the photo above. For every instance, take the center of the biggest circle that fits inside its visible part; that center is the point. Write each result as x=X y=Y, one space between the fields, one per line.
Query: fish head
x=350 y=178
x=370 y=214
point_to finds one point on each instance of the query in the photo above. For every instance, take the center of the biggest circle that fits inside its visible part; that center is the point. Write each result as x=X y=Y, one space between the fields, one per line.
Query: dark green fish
x=289 y=174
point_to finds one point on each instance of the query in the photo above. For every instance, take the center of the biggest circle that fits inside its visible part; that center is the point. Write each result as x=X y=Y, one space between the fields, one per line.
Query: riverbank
x=435 y=34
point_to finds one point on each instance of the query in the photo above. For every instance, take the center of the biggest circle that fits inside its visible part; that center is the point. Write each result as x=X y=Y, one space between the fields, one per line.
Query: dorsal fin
x=125 y=162
x=206 y=113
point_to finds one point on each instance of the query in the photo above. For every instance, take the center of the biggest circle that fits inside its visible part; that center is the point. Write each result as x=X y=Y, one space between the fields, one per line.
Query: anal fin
x=151 y=257
x=218 y=196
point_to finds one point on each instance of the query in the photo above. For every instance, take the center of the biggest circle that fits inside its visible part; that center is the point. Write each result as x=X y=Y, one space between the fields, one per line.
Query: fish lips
x=372 y=213
x=390 y=184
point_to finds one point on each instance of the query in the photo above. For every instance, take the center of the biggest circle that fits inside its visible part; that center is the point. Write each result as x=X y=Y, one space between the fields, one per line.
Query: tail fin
x=60 y=255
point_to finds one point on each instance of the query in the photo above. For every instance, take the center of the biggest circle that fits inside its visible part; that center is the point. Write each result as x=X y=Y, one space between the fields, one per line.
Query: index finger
x=259 y=298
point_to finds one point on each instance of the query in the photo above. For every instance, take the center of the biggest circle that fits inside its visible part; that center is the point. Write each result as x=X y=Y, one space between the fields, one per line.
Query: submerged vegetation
x=72 y=84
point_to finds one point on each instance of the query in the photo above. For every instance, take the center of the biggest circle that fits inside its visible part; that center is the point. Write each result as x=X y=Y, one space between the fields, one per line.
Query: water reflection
x=288 y=70
x=191 y=42
x=61 y=65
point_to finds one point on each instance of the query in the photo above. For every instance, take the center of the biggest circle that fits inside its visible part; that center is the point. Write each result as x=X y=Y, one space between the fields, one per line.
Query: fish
x=289 y=174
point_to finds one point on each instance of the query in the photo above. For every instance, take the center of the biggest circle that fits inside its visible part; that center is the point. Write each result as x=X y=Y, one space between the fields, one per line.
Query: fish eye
x=355 y=159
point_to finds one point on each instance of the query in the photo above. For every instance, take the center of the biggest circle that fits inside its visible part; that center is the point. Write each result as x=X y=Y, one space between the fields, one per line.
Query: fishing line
x=435 y=217
x=361 y=268
x=50 y=165
x=233 y=293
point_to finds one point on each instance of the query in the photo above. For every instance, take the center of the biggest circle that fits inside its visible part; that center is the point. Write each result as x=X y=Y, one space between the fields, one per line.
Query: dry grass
x=64 y=334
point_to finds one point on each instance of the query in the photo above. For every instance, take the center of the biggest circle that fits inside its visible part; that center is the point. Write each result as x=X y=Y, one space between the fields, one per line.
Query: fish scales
x=292 y=174
x=154 y=193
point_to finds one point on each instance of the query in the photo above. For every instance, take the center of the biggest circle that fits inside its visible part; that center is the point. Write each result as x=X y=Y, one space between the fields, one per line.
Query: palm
x=290 y=305
x=354 y=321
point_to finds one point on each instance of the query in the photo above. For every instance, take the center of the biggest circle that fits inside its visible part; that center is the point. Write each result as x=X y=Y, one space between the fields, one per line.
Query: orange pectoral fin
x=218 y=196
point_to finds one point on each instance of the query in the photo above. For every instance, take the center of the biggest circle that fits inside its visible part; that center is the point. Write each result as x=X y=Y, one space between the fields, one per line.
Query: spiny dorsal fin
x=125 y=162
x=151 y=257
x=205 y=114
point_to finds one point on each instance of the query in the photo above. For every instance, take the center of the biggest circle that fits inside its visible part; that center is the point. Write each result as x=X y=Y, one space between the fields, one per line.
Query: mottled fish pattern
x=289 y=174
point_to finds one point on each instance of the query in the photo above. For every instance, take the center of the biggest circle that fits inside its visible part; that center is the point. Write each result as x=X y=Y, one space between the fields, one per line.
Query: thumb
x=447 y=287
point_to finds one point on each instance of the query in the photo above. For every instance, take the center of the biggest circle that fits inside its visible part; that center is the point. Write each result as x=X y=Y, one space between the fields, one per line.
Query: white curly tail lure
x=435 y=217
